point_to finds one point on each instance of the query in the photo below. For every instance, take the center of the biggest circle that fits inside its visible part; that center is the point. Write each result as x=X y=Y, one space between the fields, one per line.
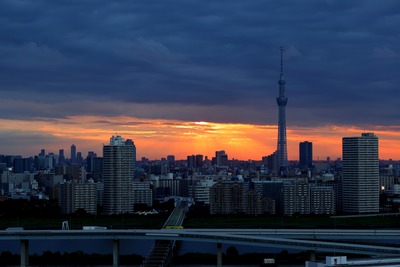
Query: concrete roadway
x=302 y=239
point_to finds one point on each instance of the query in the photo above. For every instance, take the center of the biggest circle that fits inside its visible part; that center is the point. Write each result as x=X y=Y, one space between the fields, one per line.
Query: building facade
x=118 y=171
x=322 y=200
x=360 y=175
x=305 y=155
x=75 y=196
x=296 y=198
x=226 y=198
x=142 y=193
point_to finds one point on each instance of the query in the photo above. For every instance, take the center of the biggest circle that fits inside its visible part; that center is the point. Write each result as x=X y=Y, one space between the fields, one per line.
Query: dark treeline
x=44 y=214
x=69 y=258
x=29 y=208
x=232 y=257
x=50 y=208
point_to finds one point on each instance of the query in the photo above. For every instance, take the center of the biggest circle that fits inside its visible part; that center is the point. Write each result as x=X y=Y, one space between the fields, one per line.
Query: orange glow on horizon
x=155 y=139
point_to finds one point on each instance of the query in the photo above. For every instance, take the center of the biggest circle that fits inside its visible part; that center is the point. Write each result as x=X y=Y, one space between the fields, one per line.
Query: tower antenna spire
x=282 y=51
x=282 y=144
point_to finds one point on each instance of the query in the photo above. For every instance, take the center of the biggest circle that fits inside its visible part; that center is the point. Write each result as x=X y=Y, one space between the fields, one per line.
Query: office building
x=61 y=156
x=94 y=165
x=322 y=200
x=118 y=171
x=255 y=204
x=171 y=187
x=195 y=161
x=73 y=153
x=79 y=158
x=305 y=155
x=171 y=159
x=221 y=158
x=272 y=162
x=271 y=190
x=296 y=198
x=226 y=198
x=191 y=161
x=360 y=174
x=142 y=193
x=131 y=143
x=74 y=196
x=22 y=165
x=201 y=190
x=199 y=161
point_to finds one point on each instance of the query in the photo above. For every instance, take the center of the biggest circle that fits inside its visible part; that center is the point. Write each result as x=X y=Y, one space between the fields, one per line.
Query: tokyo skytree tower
x=282 y=145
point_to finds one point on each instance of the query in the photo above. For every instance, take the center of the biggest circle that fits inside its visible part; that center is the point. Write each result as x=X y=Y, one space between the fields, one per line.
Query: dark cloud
x=16 y=141
x=107 y=122
x=219 y=61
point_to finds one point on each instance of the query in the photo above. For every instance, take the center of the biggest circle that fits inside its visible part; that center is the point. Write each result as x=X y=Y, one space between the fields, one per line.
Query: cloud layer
x=201 y=61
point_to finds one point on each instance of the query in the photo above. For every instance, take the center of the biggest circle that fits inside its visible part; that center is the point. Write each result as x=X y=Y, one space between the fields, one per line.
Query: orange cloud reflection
x=158 y=138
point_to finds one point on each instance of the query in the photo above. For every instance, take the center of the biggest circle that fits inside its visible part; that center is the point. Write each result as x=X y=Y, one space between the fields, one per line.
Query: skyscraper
x=61 y=157
x=221 y=158
x=131 y=143
x=191 y=161
x=360 y=174
x=73 y=153
x=305 y=154
x=282 y=101
x=118 y=170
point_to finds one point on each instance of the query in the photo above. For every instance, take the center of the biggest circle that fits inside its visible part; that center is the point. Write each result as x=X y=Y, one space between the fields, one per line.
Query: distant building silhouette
x=305 y=154
x=171 y=160
x=360 y=174
x=195 y=161
x=272 y=162
x=21 y=165
x=79 y=158
x=221 y=158
x=191 y=161
x=61 y=156
x=73 y=153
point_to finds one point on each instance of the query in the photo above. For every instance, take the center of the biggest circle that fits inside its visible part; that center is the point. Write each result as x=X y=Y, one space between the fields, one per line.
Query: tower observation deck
x=282 y=101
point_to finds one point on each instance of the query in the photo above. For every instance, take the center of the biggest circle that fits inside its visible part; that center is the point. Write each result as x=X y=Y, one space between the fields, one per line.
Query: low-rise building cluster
x=118 y=183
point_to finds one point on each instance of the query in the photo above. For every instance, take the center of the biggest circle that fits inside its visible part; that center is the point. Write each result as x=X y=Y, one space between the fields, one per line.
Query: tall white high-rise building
x=360 y=175
x=118 y=171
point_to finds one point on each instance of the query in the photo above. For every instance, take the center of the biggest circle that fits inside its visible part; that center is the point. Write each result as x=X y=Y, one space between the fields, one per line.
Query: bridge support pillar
x=219 y=255
x=311 y=254
x=115 y=252
x=24 y=245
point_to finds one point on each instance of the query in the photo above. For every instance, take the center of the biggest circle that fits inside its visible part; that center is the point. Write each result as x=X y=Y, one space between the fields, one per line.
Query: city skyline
x=84 y=150
x=188 y=78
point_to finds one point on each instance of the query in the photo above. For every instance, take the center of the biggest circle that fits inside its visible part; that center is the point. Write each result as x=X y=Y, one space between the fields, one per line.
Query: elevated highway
x=320 y=240
x=199 y=234
x=312 y=234
x=161 y=252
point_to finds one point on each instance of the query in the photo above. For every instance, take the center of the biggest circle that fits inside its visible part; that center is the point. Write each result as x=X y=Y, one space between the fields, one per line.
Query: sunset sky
x=187 y=77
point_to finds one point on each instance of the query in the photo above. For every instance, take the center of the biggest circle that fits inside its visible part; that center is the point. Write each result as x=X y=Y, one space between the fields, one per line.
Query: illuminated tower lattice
x=282 y=101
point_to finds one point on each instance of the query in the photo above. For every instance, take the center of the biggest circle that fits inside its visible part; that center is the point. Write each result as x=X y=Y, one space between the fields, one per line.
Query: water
x=139 y=247
x=127 y=247
x=204 y=247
